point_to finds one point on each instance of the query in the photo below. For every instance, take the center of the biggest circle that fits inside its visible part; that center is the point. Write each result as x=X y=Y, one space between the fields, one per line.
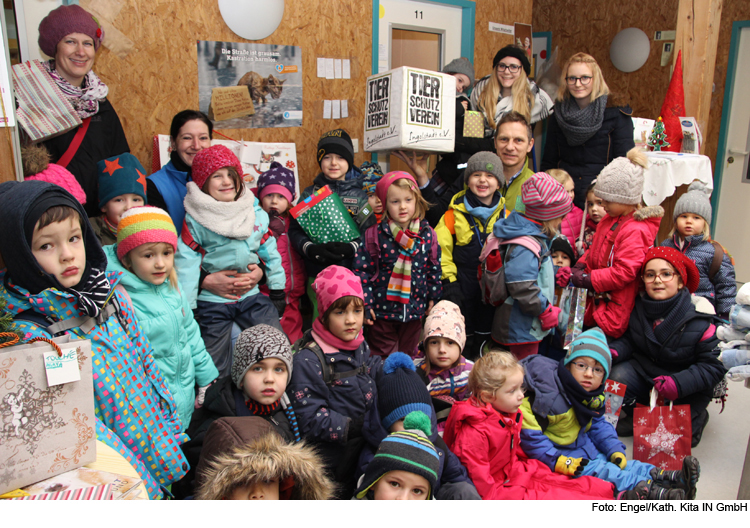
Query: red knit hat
x=684 y=266
x=63 y=21
x=209 y=160
x=545 y=198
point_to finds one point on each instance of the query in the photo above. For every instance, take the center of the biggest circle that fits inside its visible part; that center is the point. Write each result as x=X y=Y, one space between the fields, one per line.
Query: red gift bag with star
x=662 y=435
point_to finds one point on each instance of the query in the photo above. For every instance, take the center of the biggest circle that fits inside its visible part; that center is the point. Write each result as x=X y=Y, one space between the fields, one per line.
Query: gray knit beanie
x=461 y=65
x=255 y=344
x=696 y=200
x=622 y=180
x=487 y=162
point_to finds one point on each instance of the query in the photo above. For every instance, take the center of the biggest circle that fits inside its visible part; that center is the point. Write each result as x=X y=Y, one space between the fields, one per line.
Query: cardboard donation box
x=411 y=109
x=47 y=411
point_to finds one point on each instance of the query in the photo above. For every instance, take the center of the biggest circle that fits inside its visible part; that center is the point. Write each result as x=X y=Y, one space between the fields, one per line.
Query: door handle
x=738 y=152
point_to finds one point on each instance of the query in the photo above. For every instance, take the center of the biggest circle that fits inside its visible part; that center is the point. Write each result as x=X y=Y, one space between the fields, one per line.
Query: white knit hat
x=622 y=180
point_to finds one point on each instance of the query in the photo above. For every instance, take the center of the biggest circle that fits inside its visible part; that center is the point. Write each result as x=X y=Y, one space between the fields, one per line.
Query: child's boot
x=685 y=479
x=639 y=492
x=658 y=492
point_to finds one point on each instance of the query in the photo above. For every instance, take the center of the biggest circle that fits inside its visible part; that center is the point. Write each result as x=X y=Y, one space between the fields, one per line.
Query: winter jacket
x=550 y=427
x=425 y=275
x=244 y=451
x=585 y=162
x=488 y=444
x=452 y=382
x=614 y=268
x=125 y=373
x=168 y=322
x=723 y=289
x=104 y=138
x=102 y=231
x=531 y=287
x=690 y=355
x=171 y=184
x=512 y=189
x=291 y=261
x=571 y=224
x=224 y=253
x=354 y=198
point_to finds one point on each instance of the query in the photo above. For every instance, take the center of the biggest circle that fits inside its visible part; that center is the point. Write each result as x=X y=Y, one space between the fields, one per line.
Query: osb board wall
x=582 y=25
x=486 y=42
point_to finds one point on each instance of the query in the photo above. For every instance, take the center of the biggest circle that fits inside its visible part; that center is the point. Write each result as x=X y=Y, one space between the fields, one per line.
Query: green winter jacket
x=168 y=322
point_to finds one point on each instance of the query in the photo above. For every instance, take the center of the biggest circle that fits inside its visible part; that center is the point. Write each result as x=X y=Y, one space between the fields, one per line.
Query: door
x=732 y=179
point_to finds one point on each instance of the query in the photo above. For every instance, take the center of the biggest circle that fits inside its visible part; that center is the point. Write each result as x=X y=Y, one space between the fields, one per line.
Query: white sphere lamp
x=629 y=49
x=252 y=19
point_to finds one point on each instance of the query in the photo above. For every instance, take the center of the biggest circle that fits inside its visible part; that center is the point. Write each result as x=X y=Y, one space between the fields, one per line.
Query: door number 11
x=418 y=14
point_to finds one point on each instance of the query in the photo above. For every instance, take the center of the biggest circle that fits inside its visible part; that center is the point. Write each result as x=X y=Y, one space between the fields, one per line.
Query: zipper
x=289 y=256
x=453 y=385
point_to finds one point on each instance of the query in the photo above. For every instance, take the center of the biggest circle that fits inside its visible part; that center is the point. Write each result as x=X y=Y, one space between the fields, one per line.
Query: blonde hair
x=490 y=372
x=127 y=263
x=523 y=99
x=706 y=230
x=420 y=208
x=561 y=176
x=599 y=87
x=548 y=227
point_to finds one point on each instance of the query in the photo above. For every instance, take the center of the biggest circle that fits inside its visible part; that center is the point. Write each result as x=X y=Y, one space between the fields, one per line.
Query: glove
x=201 y=396
x=278 y=298
x=345 y=249
x=355 y=427
x=581 y=279
x=572 y=467
x=614 y=353
x=322 y=255
x=549 y=317
x=452 y=292
x=666 y=387
x=619 y=459
x=562 y=277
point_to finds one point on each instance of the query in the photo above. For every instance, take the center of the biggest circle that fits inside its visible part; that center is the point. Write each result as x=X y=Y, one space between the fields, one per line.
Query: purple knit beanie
x=65 y=20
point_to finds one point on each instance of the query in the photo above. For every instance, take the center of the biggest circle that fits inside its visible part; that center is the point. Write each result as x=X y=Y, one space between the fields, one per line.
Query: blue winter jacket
x=531 y=288
x=550 y=427
x=171 y=184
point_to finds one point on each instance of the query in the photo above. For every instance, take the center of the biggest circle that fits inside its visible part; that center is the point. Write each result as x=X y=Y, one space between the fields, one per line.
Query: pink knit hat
x=333 y=283
x=209 y=160
x=61 y=176
x=445 y=320
x=545 y=198
x=144 y=225
x=63 y=21
x=381 y=190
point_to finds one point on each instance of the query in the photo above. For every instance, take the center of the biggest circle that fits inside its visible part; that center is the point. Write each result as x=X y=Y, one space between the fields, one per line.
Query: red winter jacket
x=488 y=445
x=294 y=266
x=614 y=268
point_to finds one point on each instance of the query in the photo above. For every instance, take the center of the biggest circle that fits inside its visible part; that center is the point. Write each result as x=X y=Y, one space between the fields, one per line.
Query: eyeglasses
x=664 y=276
x=585 y=80
x=583 y=367
x=512 y=67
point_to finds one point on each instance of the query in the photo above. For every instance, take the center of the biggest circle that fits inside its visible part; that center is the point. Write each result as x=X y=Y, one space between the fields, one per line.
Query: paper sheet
x=326 y=109
x=336 y=109
x=347 y=73
x=337 y=68
x=329 y=69
x=344 y=108
x=321 y=67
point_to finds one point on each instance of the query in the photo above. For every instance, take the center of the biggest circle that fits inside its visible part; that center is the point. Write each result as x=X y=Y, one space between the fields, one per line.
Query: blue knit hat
x=591 y=343
x=118 y=175
x=401 y=390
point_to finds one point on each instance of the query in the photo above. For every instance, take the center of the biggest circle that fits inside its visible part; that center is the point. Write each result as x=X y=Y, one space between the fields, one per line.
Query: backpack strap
x=434 y=249
x=85 y=323
x=326 y=367
x=716 y=261
x=74 y=144
x=187 y=238
x=372 y=247
x=526 y=241
x=449 y=218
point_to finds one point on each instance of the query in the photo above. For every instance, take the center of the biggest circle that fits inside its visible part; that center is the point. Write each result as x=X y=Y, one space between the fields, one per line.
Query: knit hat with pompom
x=36 y=166
x=401 y=390
x=696 y=200
x=622 y=180
x=210 y=160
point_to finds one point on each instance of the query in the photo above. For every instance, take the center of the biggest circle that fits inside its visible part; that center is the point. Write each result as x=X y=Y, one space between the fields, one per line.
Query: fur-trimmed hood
x=298 y=467
x=652 y=211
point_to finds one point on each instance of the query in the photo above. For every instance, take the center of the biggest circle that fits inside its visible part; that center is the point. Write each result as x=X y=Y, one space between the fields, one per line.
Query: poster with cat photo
x=242 y=85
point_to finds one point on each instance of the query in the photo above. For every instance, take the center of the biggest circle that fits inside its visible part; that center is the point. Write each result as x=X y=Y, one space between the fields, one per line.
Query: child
x=245 y=459
x=562 y=253
x=691 y=235
x=122 y=185
x=144 y=255
x=669 y=344
x=225 y=228
x=592 y=215
x=276 y=192
x=337 y=170
x=528 y=315
x=571 y=224
x=372 y=174
x=609 y=269
x=462 y=232
x=399 y=266
x=405 y=466
x=484 y=430
x=400 y=392
x=333 y=386
x=563 y=419
x=56 y=272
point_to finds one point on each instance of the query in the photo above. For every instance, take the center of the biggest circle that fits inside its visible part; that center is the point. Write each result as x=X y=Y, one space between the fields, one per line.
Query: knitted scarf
x=399 y=285
x=579 y=125
x=673 y=312
x=258 y=409
x=229 y=219
x=112 y=228
x=85 y=100
x=586 y=405
x=321 y=333
x=92 y=292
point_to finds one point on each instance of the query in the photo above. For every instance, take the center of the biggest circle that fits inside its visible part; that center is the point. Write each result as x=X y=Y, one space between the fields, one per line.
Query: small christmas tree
x=657 y=140
x=6 y=324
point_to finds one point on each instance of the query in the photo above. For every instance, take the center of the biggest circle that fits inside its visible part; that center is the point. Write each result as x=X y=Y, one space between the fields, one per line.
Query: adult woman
x=71 y=35
x=590 y=128
x=191 y=131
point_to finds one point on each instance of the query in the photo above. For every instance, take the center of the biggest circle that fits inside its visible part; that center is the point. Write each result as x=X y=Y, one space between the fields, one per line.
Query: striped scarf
x=93 y=293
x=399 y=285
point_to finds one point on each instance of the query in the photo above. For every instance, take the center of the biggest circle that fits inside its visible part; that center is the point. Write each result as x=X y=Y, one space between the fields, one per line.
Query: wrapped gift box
x=411 y=109
x=324 y=218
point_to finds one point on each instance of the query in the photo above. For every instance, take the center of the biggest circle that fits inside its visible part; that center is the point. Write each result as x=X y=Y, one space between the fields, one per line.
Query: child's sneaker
x=640 y=491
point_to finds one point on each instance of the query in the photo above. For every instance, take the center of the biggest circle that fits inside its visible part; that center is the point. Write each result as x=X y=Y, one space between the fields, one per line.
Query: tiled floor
x=722 y=449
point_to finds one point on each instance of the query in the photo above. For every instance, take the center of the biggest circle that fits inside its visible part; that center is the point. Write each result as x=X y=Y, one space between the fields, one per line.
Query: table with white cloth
x=669 y=170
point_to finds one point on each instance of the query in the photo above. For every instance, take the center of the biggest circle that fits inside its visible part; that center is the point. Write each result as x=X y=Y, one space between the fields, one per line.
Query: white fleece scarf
x=229 y=219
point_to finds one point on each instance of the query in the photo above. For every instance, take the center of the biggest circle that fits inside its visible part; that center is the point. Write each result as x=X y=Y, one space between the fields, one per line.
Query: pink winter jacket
x=571 y=224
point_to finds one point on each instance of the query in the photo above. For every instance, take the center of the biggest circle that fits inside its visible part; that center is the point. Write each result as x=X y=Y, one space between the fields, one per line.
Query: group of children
x=381 y=384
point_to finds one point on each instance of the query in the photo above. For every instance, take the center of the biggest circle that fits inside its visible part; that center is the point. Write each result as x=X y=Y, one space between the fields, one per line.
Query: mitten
x=355 y=427
x=345 y=249
x=619 y=459
x=572 y=467
x=614 y=353
x=666 y=387
x=452 y=292
x=549 y=317
x=200 y=397
x=278 y=298
x=322 y=255
x=581 y=279
x=562 y=277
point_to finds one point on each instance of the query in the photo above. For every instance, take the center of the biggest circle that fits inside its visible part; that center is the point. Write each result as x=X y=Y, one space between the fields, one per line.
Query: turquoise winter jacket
x=167 y=320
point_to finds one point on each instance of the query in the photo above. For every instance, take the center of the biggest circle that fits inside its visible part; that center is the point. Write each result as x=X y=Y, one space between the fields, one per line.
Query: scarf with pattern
x=399 y=285
x=85 y=100
x=92 y=292
x=258 y=409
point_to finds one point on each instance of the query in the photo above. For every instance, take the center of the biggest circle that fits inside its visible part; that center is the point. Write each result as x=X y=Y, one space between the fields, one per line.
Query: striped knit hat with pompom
x=144 y=225
x=545 y=198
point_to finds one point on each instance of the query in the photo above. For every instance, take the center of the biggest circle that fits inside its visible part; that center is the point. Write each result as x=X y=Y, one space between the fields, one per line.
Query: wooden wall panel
x=486 y=42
